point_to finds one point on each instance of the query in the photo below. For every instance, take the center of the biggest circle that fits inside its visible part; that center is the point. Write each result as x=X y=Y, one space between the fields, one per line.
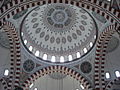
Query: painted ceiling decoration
x=86 y=67
x=28 y=65
x=58 y=30
x=57 y=40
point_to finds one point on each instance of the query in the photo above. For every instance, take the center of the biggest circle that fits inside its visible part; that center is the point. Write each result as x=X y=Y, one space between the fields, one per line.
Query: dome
x=58 y=32
x=59 y=45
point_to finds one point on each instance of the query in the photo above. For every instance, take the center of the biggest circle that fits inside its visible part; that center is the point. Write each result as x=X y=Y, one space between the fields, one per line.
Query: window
x=22 y=33
x=91 y=44
x=61 y=59
x=53 y=59
x=94 y=36
x=6 y=72
x=25 y=42
x=70 y=57
x=82 y=86
x=30 y=48
x=31 y=85
x=35 y=89
x=45 y=56
x=107 y=75
x=85 y=50
x=37 y=53
x=117 y=73
x=78 y=54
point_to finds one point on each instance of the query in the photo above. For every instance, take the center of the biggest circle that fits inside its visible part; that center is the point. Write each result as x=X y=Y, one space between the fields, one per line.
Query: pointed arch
x=110 y=84
x=102 y=43
x=4 y=83
x=52 y=69
x=14 y=53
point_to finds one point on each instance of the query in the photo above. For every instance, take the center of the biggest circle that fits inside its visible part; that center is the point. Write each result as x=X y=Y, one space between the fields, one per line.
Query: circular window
x=58 y=32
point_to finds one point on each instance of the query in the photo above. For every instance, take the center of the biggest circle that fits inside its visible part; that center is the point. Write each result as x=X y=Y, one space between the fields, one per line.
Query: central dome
x=58 y=32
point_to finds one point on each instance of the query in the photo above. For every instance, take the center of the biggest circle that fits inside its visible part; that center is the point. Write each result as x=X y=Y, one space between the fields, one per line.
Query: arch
x=100 y=56
x=52 y=69
x=95 y=5
x=109 y=85
x=103 y=9
x=15 y=54
x=4 y=83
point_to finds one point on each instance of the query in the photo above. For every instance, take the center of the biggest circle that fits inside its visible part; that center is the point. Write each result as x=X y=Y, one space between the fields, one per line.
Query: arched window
x=117 y=73
x=62 y=59
x=70 y=57
x=53 y=59
x=45 y=56
x=107 y=75
x=37 y=53
x=6 y=72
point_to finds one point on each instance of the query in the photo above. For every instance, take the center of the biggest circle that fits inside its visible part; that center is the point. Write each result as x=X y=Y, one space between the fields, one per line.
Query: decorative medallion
x=28 y=65
x=58 y=30
x=86 y=67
